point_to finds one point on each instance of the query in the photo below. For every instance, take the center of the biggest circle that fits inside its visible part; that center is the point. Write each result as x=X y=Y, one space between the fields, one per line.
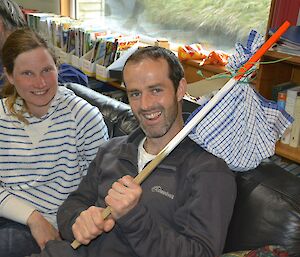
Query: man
x=11 y=18
x=182 y=209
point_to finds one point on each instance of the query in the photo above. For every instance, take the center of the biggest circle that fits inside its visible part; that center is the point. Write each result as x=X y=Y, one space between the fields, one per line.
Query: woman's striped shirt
x=41 y=163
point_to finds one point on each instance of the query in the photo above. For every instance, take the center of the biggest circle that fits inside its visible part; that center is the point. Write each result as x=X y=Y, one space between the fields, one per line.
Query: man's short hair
x=11 y=15
x=176 y=71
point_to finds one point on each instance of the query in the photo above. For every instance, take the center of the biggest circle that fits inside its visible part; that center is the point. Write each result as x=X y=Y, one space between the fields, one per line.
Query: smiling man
x=154 y=100
x=182 y=209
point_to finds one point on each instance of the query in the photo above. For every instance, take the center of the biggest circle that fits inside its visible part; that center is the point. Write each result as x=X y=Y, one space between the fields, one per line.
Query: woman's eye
x=47 y=70
x=27 y=73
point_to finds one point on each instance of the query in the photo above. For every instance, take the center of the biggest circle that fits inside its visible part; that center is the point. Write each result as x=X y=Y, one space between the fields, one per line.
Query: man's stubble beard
x=167 y=125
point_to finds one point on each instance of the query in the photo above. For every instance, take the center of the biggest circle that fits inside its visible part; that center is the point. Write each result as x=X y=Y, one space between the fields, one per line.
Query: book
x=70 y=40
x=282 y=87
x=291 y=36
x=100 y=55
x=113 y=52
x=281 y=100
x=295 y=131
x=285 y=10
x=289 y=108
x=124 y=43
x=77 y=47
x=108 y=52
x=94 y=51
x=286 y=49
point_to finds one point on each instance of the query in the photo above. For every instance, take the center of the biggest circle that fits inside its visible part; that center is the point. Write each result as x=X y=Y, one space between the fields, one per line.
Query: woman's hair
x=20 y=41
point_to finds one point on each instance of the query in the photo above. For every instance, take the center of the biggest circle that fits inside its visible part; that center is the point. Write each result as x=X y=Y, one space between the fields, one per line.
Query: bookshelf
x=288 y=152
x=191 y=67
x=269 y=75
x=272 y=74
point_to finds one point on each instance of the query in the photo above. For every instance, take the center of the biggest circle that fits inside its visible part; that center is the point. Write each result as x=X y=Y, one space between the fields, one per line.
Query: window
x=89 y=9
x=217 y=24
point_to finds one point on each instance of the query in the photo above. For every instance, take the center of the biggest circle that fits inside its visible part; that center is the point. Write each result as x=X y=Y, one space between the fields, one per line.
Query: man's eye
x=156 y=90
x=27 y=73
x=134 y=94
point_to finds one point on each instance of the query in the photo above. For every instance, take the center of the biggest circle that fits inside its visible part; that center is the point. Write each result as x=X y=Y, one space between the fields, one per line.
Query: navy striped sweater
x=41 y=163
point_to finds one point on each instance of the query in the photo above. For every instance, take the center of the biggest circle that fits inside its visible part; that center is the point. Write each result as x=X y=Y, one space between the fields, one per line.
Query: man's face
x=153 y=99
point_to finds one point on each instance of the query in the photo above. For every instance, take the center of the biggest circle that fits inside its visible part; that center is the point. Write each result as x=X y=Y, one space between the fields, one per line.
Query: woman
x=48 y=136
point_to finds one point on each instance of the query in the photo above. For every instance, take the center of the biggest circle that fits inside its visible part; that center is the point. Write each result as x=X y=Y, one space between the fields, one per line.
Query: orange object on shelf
x=216 y=57
x=191 y=52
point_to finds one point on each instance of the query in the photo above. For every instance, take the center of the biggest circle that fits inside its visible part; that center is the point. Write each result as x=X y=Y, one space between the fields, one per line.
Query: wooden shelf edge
x=208 y=67
x=116 y=84
x=294 y=59
x=291 y=153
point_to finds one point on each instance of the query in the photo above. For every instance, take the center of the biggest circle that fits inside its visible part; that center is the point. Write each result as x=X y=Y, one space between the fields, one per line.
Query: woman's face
x=35 y=79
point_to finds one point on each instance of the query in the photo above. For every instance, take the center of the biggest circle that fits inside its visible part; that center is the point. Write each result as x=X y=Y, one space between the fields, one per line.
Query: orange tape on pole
x=264 y=48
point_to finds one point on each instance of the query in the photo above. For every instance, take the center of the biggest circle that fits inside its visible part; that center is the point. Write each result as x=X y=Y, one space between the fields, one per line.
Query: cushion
x=266 y=251
x=267 y=210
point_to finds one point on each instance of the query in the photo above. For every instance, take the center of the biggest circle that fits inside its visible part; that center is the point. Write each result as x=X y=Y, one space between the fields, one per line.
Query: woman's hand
x=41 y=230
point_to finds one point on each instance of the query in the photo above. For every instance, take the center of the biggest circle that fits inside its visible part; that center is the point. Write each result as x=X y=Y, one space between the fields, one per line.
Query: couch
x=267 y=208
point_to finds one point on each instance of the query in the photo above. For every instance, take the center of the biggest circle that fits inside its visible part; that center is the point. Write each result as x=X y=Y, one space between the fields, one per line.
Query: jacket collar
x=129 y=150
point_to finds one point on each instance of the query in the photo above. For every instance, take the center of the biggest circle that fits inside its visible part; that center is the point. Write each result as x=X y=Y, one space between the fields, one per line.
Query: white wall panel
x=52 y=6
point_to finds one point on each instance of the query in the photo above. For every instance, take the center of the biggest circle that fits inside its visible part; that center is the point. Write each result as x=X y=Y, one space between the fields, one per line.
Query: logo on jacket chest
x=160 y=190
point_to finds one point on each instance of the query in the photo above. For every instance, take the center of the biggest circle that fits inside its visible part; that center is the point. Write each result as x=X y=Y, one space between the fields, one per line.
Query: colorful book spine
x=101 y=52
x=289 y=108
x=295 y=132
x=281 y=100
x=108 y=52
x=285 y=10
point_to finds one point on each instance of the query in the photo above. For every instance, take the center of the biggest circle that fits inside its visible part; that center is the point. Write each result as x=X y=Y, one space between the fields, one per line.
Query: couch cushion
x=267 y=210
x=118 y=116
x=266 y=251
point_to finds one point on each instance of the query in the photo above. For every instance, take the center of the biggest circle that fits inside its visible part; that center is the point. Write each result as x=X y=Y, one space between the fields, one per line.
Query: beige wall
x=52 y=6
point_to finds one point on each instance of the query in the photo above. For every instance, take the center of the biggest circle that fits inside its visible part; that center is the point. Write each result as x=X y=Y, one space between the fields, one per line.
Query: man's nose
x=146 y=101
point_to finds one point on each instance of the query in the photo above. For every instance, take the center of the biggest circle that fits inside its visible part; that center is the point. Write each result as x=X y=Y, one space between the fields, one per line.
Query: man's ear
x=9 y=77
x=181 y=90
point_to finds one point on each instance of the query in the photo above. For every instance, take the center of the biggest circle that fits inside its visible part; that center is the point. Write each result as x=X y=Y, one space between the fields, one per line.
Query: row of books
x=66 y=33
x=108 y=48
x=289 y=42
x=289 y=100
x=51 y=26
x=80 y=40
x=80 y=37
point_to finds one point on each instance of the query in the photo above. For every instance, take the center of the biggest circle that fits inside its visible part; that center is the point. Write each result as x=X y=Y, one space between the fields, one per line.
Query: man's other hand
x=90 y=224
